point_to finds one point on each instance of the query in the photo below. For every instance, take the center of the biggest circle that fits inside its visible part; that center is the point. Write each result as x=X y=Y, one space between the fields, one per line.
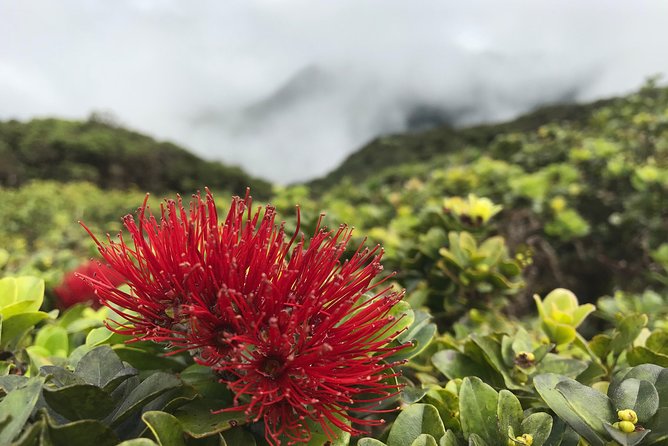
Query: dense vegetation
x=105 y=154
x=490 y=347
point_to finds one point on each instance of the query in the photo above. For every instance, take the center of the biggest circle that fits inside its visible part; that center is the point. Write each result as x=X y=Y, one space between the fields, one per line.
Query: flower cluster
x=72 y=290
x=298 y=334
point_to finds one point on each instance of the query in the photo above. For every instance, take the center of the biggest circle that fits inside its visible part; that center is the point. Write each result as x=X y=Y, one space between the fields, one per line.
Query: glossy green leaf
x=449 y=439
x=165 y=428
x=99 y=366
x=138 y=442
x=627 y=330
x=539 y=425
x=319 y=437
x=149 y=389
x=477 y=440
x=17 y=406
x=199 y=420
x=415 y=420
x=478 y=409
x=366 y=441
x=454 y=364
x=624 y=439
x=593 y=407
x=419 y=334
x=509 y=413
x=240 y=437
x=642 y=355
x=546 y=385
x=79 y=401
x=424 y=440
x=17 y=325
x=81 y=433
x=639 y=395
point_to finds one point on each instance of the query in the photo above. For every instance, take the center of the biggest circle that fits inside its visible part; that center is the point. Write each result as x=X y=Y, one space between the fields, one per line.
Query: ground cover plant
x=519 y=298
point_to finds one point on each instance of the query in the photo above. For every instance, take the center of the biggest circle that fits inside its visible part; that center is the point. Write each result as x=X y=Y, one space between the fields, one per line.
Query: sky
x=287 y=89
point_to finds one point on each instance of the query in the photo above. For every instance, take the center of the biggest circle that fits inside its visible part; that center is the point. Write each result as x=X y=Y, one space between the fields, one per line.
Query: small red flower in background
x=73 y=290
x=297 y=333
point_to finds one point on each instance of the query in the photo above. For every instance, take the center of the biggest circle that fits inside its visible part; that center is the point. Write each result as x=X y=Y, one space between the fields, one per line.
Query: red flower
x=73 y=290
x=297 y=333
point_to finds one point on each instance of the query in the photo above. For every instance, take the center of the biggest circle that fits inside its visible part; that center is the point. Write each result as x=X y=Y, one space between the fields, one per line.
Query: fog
x=287 y=89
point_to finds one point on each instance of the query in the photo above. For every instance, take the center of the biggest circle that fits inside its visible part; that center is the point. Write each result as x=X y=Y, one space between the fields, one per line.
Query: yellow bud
x=627 y=415
x=525 y=439
x=627 y=426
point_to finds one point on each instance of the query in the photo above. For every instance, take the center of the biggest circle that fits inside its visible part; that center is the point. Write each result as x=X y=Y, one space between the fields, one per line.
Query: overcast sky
x=288 y=88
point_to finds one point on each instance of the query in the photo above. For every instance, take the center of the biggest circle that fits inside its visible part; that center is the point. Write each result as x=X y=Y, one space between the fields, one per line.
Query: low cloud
x=288 y=89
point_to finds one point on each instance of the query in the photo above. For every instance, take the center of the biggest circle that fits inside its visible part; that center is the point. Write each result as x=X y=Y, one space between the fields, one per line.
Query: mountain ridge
x=110 y=156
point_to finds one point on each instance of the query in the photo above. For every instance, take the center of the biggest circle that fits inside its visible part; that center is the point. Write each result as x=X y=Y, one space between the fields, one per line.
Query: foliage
x=572 y=213
x=102 y=152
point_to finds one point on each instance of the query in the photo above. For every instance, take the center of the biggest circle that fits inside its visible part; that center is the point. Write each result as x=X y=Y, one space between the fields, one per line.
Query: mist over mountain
x=289 y=89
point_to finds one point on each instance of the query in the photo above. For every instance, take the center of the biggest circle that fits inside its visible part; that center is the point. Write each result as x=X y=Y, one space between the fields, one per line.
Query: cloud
x=288 y=89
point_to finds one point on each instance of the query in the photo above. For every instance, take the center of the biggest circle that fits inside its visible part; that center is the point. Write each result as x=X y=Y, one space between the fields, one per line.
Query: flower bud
x=627 y=415
x=627 y=426
x=525 y=439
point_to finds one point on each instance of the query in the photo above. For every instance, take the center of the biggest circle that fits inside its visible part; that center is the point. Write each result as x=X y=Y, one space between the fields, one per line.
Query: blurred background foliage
x=560 y=199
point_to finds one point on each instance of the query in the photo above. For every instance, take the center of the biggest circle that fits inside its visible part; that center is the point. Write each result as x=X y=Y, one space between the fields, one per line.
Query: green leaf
x=491 y=349
x=144 y=360
x=454 y=364
x=561 y=366
x=562 y=434
x=509 y=413
x=366 y=441
x=31 y=435
x=165 y=428
x=403 y=314
x=9 y=383
x=7 y=291
x=415 y=420
x=639 y=395
x=642 y=355
x=447 y=404
x=546 y=385
x=98 y=336
x=319 y=437
x=658 y=342
x=54 y=339
x=17 y=407
x=539 y=425
x=646 y=372
x=592 y=406
x=240 y=436
x=625 y=439
x=203 y=380
x=15 y=326
x=20 y=295
x=81 y=433
x=138 y=442
x=59 y=376
x=449 y=439
x=151 y=388
x=658 y=426
x=199 y=421
x=101 y=367
x=424 y=440
x=600 y=345
x=627 y=330
x=79 y=402
x=476 y=440
x=419 y=333
x=478 y=409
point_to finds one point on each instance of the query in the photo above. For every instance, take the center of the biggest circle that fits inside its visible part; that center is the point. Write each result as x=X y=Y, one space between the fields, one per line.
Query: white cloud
x=200 y=72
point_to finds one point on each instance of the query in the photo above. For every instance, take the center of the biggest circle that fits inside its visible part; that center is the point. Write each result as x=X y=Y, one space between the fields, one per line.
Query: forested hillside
x=110 y=156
